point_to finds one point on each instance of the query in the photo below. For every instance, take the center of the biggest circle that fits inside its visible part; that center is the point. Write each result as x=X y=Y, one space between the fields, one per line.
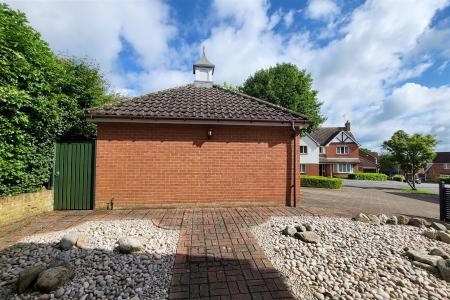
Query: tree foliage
x=411 y=152
x=387 y=164
x=289 y=87
x=42 y=99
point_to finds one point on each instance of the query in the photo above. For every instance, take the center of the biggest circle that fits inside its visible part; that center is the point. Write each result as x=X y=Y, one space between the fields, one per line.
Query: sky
x=384 y=65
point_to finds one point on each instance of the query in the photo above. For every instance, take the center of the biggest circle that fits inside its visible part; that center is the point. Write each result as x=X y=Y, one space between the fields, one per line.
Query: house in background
x=368 y=161
x=329 y=151
x=440 y=167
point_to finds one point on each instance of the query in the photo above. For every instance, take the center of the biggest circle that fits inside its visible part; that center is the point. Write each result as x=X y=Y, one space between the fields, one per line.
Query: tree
x=231 y=87
x=387 y=164
x=411 y=152
x=42 y=98
x=289 y=87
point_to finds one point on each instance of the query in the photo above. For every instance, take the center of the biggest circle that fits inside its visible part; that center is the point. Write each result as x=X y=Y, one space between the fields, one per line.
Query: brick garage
x=154 y=150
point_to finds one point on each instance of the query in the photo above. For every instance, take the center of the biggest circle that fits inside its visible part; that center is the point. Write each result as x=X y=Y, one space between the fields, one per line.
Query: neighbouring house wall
x=16 y=208
x=167 y=164
x=436 y=170
x=312 y=170
x=313 y=151
x=353 y=150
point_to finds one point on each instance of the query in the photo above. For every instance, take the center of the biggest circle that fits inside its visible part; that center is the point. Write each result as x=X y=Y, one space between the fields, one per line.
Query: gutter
x=294 y=135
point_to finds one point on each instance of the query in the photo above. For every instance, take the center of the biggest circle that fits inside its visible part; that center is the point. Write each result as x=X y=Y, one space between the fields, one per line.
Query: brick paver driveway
x=217 y=256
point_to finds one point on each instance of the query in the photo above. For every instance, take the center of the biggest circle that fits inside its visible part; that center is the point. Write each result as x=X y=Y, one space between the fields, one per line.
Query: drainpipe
x=294 y=134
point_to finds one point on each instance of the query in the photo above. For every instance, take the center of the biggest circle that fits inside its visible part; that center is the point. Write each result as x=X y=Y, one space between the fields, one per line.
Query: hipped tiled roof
x=191 y=102
x=442 y=157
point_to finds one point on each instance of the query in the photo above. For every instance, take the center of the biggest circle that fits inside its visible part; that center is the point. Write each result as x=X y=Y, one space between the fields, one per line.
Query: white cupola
x=203 y=71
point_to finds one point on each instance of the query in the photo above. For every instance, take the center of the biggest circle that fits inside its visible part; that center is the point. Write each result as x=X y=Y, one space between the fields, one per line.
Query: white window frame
x=303 y=147
x=339 y=150
x=446 y=166
x=339 y=168
x=321 y=150
x=303 y=168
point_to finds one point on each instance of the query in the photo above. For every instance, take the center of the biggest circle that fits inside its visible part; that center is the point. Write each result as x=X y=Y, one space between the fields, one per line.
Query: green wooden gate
x=74 y=174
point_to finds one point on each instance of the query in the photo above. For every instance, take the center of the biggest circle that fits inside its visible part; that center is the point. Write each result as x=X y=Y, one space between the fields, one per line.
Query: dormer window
x=342 y=150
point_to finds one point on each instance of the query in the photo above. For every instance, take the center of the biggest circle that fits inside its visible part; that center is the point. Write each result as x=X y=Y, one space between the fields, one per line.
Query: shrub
x=320 y=182
x=400 y=178
x=445 y=180
x=367 y=176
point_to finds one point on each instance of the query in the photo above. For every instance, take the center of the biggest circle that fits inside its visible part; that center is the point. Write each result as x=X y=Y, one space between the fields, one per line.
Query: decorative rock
x=310 y=227
x=129 y=245
x=28 y=276
x=439 y=252
x=444 y=236
x=417 y=222
x=403 y=220
x=308 y=237
x=374 y=219
x=82 y=242
x=362 y=218
x=53 y=278
x=289 y=231
x=438 y=226
x=431 y=234
x=59 y=292
x=392 y=220
x=300 y=228
x=68 y=241
x=444 y=269
x=426 y=267
x=423 y=257
x=383 y=218
x=59 y=261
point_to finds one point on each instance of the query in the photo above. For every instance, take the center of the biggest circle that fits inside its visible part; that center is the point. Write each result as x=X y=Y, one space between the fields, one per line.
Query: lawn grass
x=419 y=191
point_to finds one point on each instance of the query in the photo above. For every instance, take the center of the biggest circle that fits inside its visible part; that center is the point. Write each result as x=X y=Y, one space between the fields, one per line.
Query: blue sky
x=384 y=65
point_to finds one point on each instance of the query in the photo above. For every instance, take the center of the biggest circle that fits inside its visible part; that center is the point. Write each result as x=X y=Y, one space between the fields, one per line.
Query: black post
x=442 y=203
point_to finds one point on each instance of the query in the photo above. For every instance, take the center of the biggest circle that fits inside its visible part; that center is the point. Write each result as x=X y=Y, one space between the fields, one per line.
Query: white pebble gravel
x=100 y=271
x=353 y=260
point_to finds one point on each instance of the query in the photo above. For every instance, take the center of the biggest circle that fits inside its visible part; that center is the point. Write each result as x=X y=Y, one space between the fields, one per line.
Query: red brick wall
x=163 y=165
x=353 y=150
x=436 y=170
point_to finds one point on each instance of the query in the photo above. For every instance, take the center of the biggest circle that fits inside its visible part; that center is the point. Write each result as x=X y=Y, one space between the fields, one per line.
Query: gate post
x=442 y=201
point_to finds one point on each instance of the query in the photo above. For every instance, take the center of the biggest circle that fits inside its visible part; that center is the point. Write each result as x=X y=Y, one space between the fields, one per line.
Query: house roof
x=442 y=157
x=190 y=103
x=203 y=62
x=325 y=134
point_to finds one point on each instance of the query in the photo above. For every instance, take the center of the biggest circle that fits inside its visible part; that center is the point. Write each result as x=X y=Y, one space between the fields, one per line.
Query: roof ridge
x=264 y=102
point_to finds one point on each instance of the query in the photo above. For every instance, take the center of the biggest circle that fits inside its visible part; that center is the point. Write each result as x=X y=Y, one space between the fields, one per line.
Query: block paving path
x=217 y=256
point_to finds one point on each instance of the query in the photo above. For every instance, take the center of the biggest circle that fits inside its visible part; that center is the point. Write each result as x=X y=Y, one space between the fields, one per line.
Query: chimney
x=347 y=126
x=203 y=71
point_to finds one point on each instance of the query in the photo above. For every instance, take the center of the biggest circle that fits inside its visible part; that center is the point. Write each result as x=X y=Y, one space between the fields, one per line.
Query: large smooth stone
x=308 y=237
x=438 y=226
x=444 y=268
x=28 y=276
x=129 y=245
x=392 y=220
x=423 y=257
x=82 y=242
x=444 y=237
x=426 y=267
x=374 y=219
x=440 y=252
x=53 y=278
x=68 y=241
x=289 y=231
x=431 y=234
x=362 y=218
x=403 y=220
x=417 y=222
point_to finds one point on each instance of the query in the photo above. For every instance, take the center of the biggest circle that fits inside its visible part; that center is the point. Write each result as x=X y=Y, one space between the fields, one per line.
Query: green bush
x=445 y=180
x=400 y=178
x=321 y=182
x=367 y=176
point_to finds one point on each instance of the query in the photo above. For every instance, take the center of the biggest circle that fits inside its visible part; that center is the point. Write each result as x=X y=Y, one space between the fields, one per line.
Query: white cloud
x=289 y=18
x=322 y=9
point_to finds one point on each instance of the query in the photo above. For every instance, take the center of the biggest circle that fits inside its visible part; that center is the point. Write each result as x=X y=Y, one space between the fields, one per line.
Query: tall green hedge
x=445 y=180
x=367 y=176
x=42 y=100
x=400 y=178
x=320 y=182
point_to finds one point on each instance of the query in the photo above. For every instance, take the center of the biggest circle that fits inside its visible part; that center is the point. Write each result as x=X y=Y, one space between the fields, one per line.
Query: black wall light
x=209 y=134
